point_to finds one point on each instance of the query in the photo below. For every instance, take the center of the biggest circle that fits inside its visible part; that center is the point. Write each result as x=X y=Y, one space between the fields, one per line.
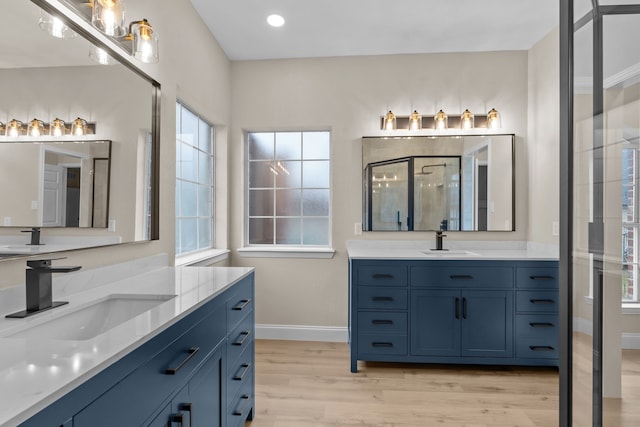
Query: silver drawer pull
x=192 y=352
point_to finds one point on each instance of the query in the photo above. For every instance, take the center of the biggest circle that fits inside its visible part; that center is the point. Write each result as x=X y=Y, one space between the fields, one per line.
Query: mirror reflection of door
x=52 y=196
x=389 y=196
x=482 y=203
x=72 y=193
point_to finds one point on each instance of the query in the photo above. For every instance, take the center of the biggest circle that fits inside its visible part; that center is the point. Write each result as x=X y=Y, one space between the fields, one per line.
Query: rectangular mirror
x=426 y=183
x=45 y=77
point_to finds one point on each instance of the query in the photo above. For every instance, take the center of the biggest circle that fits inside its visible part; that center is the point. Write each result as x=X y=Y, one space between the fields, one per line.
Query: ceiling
x=325 y=28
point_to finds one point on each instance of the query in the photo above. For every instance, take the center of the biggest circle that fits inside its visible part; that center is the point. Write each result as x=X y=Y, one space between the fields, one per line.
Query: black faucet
x=439 y=237
x=39 y=287
x=35 y=236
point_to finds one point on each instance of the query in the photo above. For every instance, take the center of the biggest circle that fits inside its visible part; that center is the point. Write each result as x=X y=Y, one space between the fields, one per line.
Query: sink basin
x=95 y=319
x=448 y=253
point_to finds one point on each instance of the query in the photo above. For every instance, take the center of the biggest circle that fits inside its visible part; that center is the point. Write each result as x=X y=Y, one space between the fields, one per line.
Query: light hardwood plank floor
x=309 y=384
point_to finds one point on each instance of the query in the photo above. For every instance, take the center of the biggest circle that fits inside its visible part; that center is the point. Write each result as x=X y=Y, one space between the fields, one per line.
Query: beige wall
x=193 y=67
x=347 y=96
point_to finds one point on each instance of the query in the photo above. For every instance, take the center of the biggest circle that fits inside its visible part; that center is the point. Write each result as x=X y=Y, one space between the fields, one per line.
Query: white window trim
x=286 y=252
x=210 y=255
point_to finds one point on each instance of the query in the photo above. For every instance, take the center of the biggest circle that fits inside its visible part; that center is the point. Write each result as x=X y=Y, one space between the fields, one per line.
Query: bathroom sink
x=95 y=319
x=448 y=253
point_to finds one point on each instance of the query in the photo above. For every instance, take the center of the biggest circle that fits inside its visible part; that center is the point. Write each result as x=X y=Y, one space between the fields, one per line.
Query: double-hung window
x=288 y=192
x=194 y=182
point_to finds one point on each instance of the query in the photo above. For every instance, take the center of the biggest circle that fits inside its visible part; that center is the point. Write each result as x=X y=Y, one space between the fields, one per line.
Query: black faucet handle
x=45 y=264
x=35 y=236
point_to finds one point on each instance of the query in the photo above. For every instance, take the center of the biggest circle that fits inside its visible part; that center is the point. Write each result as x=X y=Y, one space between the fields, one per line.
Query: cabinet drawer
x=140 y=393
x=240 y=371
x=537 y=301
x=537 y=277
x=382 y=322
x=535 y=348
x=381 y=275
x=382 y=298
x=239 y=406
x=382 y=344
x=543 y=326
x=454 y=276
x=240 y=303
x=240 y=338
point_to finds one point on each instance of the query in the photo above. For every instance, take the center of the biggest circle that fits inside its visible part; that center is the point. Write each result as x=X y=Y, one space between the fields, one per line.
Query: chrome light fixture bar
x=441 y=121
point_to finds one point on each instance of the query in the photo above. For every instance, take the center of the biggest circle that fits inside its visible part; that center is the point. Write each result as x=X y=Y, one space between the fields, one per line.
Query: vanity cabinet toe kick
x=454 y=311
x=199 y=371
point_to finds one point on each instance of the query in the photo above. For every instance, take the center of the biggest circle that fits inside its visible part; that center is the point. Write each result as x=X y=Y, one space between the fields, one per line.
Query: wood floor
x=308 y=384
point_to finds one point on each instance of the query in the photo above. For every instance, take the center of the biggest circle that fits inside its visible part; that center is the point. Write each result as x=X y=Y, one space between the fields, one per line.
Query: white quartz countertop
x=36 y=372
x=454 y=250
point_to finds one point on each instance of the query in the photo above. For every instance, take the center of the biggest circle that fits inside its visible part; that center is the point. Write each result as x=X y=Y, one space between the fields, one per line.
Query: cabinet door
x=435 y=322
x=487 y=323
x=200 y=402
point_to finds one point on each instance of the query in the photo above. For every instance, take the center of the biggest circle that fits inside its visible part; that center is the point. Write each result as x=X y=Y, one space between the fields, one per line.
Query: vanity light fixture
x=389 y=121
x=35 y=128
x=466 y=120
x=55 y=26
x=108 y=17
x=440 y=120
x=275 y=20
x=145 y=41
x=14 y=128
x=415 y=121
x=79 y=127
x=57 y=127
x=493 y=119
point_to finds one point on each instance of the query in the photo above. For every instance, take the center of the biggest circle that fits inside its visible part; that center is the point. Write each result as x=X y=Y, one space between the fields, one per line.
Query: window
x=194 y=182
x=630 y=224
x=288 y=188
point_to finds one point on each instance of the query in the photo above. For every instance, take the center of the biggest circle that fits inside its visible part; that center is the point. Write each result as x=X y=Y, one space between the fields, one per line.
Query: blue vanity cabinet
x=500 y=312
x=180 y=377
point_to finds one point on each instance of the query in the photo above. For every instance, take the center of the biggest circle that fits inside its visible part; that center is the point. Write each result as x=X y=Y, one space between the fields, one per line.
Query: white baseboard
x=302 y=333
x=631 y=341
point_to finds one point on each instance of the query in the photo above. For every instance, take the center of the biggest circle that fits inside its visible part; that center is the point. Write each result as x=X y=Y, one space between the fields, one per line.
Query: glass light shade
x=466 y=120
x=145 y=42
x=389 y=121
x=493 y=119
x=108 y=17
x=57 y=128
x=79 y=127
x=100 y=56
x=35 y=128
x=14 y=128
x=415 y=121
x=55 y=26
x=440 y=120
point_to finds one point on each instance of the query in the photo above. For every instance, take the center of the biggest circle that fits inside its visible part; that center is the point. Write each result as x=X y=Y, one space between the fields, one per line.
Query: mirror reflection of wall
x=459 y=183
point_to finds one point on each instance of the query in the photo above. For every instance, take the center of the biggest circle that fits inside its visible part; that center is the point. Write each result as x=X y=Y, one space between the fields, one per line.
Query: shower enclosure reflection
x=454 y=183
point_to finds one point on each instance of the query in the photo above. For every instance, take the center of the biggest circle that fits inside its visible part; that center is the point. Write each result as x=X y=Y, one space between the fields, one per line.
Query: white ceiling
x=325 y=28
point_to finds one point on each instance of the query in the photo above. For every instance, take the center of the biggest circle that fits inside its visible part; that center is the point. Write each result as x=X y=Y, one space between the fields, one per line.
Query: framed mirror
x=450 y=183
x=107 y=180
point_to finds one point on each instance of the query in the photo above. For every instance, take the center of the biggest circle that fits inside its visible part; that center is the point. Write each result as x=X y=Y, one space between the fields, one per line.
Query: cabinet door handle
x=464 y=308
x=382 y=298
x=541 y=348
x=541 y=324
x=382 y=322
x=457 y=307
x=187 y=407
x=241 y=338
x=461 y=276
x=542 y=301
x=382 y=276
x=382 y=344
x=541 y=277
x=242 y=304
x=192 y=352
x=177 y=418
x=244 y=368
x=240 y=409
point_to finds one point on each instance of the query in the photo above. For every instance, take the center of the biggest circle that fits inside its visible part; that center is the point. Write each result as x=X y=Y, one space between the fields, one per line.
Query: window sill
x=286 y=252
x=210 y=255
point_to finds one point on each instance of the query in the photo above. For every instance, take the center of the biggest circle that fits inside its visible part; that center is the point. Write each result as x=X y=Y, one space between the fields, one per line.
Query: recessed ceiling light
x=275 y=20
